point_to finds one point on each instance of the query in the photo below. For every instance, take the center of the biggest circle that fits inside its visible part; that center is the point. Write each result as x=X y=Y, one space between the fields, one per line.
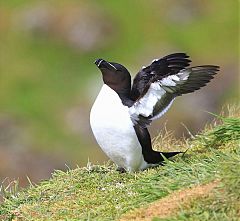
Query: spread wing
x=164 y=86
x=159 y=68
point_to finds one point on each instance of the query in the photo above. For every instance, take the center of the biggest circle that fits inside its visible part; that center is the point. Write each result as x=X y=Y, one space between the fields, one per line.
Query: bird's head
x=115 y=76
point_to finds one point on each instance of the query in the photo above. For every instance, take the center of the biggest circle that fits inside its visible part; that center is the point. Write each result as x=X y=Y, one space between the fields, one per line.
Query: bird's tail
x=169 y=154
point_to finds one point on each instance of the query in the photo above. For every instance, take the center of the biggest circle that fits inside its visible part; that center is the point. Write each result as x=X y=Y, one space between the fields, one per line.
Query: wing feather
x=160 y=94
x=158 y=69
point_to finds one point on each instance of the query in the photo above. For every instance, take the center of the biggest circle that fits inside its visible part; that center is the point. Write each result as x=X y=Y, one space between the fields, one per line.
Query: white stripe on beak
x=100 y=63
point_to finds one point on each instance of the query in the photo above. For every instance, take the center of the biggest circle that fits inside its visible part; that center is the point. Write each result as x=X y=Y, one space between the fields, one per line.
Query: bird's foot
x=121 y=170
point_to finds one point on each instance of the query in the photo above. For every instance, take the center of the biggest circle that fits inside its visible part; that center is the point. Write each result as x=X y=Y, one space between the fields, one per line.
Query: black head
x=115 y=76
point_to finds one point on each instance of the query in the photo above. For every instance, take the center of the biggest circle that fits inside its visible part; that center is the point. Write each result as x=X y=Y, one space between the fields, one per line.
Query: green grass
x=100 y=192
x=223 y=204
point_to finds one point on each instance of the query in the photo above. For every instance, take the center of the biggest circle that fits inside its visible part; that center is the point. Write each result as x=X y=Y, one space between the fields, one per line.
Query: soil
x=170 y=204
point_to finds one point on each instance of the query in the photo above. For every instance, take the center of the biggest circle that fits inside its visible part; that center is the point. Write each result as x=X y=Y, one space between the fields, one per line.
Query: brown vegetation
x=170 y=204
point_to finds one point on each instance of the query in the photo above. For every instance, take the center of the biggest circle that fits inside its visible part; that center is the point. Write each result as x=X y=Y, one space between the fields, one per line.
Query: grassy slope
x=223 y=204
x=101 y=192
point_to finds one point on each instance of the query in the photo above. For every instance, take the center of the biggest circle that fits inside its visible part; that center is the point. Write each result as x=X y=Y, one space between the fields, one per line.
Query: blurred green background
x=48 y=81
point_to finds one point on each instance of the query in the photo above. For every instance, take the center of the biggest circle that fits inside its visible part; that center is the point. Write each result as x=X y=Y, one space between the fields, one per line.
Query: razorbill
x=121 y=113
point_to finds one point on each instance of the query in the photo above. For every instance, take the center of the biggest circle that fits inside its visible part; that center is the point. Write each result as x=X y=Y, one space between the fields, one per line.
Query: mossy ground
x=101 y=193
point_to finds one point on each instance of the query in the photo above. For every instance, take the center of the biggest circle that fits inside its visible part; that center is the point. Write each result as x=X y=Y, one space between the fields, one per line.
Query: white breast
x=113 y=129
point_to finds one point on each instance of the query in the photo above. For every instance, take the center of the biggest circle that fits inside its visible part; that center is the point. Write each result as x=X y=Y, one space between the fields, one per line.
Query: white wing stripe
x=170 y=80
x=146 y=104
x=163 y=111
x=183 y=74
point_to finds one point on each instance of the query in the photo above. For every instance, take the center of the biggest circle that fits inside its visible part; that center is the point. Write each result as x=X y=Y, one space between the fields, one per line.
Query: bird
x=123 y=111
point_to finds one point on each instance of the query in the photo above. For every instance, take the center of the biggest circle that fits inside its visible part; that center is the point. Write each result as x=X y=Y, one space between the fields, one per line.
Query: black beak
x=98 y=62
x=104 y=64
